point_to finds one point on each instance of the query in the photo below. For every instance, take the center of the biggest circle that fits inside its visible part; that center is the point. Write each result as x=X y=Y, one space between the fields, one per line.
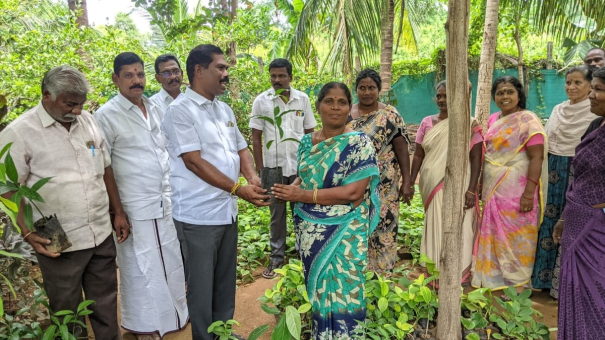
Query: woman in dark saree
x=581 y=232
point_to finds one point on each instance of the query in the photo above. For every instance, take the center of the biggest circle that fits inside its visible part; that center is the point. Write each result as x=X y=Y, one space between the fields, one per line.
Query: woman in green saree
x=336 y=211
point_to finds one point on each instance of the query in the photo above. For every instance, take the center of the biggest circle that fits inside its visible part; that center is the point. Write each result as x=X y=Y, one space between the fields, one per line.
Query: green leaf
x=275 y=111
x=1 y=308
x=9 y=204
x=83 y=305
x=267 y=119
x=11 y=170
x=270 y=310
x=215 y=324
x=9 y=254
x=5 y=149
x=63 y=313
x=281 y=332
x=31 y=194
x=50 y=333
x=383 y=304
x=304 y=308
x=28 y=216
x=40 y=183
x=269 y=144
x=64 y=332
x=285 y=112
x=293 y=322
x=281 y=130
x=257 y=332
x=290 y=140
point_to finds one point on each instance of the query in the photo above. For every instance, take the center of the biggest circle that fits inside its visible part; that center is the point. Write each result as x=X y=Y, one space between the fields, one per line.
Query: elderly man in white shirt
x=295 y=124
x=168 y=72
x=152 y=281
x=207 y=154
x=58 y=139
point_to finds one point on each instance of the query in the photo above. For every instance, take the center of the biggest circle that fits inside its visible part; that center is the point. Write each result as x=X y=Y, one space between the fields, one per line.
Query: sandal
x=269 y=272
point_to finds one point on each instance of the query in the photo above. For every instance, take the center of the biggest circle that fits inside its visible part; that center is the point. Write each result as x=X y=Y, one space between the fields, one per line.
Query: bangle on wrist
x=26 y=235
x=315 y=196
x=531 y=180
x=527 y=198
x=470 y=192
x=235 y=187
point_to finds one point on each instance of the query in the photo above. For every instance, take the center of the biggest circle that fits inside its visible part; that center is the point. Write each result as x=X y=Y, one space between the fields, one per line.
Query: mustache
x=137 y=86
x=175 y=80
x=225 y=80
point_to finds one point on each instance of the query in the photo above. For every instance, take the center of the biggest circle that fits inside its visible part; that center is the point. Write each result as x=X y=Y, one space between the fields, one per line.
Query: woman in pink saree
x=514 y=189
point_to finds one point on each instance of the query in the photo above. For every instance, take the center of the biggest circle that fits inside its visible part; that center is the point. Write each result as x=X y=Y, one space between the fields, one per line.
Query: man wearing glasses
x=168 y=73
x=152 y=280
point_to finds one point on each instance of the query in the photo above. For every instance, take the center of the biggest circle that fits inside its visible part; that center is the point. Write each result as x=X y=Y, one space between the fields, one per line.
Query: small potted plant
x=271 y=176
x=46 y=227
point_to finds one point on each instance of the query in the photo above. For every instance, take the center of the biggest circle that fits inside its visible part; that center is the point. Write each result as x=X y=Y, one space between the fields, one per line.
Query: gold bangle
x=470 y=192
x=235 y=187
x=26 y=235
x=315 y=196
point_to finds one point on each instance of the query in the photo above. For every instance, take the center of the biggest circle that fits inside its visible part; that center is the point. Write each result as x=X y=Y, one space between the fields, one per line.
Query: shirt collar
x=127 y=104
x=198 y=98
x=293 y=94
x=45 y=118
x=164 y=94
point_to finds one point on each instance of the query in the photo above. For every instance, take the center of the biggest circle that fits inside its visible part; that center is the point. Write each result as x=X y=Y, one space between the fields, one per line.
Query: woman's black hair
x=368 y=73
x=599 y=73
x=518 y=86
x=586 y=71
x=327 y=87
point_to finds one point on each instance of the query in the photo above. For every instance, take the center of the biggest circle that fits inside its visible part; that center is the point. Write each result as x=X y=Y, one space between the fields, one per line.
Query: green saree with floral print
x=333 y=239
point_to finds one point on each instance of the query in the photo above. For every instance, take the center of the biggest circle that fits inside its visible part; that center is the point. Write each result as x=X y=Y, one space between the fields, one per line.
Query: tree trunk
x=386 y=53
x=520 y=58
x=232 y=49
x=79 y=7
x=486 y=66
x=458 y=93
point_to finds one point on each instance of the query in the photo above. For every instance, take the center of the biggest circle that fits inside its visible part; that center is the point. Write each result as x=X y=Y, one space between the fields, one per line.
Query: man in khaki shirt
x=58 y=139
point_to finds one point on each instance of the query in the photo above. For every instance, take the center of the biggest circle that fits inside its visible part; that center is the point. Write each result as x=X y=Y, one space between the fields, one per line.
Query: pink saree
x=505 y=247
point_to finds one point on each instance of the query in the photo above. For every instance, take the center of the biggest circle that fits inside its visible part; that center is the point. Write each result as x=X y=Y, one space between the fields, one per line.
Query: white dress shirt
x=139 y=157
x=76 y=192
x=162 y=99
x=194 y=123
x=293 y=125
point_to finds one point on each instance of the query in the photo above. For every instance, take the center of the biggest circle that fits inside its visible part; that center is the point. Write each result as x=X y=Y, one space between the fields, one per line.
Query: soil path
x=247 y=312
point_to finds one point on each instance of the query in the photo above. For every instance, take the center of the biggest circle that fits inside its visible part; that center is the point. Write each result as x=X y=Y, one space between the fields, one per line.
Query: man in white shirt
x=168 y=72
x=207 y=154
x=152 y=281
x=58 y=139
x=295 y=125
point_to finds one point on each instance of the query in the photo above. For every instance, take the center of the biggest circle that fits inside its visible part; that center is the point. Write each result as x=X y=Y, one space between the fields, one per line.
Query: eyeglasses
x=167 y=74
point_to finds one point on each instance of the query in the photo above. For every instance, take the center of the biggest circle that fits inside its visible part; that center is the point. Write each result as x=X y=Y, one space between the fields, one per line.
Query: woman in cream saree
x=432 y=176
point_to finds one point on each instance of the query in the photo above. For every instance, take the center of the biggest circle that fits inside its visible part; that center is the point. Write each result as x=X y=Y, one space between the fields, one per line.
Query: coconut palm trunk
x=486 y=63
x=386 y=52
x=79 y=7
x=458 y=93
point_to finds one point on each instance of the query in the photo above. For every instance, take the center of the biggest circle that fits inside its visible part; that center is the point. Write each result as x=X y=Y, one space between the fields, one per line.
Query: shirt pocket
x=99 y=163
x=230 y=136
x=297 y=119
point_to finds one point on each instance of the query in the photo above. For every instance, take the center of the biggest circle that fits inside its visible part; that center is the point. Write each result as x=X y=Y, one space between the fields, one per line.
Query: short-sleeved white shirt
x=194 y=123
x=293 y=124
x=76 y=192
x=138 y=156
x=162 y=99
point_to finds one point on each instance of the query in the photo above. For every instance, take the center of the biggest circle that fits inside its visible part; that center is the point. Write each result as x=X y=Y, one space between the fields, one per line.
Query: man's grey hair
x=64 y=79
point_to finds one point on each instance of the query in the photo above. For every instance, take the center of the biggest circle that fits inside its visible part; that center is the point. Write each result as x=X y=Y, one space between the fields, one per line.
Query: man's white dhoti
x=152 y=280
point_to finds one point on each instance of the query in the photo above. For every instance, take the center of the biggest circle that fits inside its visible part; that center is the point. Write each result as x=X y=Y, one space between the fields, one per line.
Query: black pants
x=210 y=253
x=92 y=270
